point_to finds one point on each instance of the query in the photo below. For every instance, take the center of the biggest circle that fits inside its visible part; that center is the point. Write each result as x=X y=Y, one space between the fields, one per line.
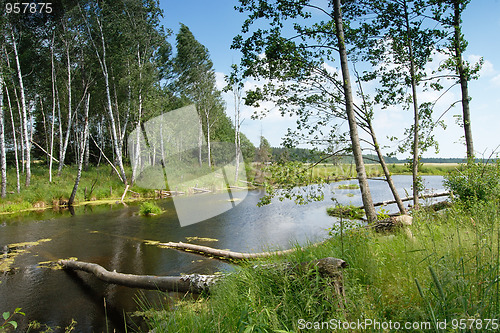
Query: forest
x=78 y=77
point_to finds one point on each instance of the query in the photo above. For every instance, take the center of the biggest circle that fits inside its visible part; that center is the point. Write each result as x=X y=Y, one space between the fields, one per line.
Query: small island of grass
x=149 y=209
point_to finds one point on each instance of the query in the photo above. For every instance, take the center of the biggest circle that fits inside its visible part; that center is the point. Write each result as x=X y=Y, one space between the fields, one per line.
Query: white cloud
x=220 y=81
x=496 y=80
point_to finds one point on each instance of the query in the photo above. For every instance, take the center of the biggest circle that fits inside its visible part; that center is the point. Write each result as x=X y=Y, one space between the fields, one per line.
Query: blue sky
x=214 y=24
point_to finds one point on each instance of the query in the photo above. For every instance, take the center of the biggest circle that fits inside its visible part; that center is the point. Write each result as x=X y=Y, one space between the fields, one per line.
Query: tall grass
x=448 y=269
x=332 y=172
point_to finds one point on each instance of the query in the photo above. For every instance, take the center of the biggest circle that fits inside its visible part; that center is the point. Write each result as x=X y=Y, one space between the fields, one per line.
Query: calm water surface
x=114 y=237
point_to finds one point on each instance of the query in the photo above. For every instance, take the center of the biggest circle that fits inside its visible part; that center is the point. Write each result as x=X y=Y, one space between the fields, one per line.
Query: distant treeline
x=308 y=155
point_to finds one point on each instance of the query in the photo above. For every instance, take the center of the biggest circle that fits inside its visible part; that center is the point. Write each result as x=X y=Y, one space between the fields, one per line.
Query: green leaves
x=7 y=316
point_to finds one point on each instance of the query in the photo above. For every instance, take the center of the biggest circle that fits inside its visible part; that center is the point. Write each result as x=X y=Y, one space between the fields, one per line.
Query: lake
x=114 y=237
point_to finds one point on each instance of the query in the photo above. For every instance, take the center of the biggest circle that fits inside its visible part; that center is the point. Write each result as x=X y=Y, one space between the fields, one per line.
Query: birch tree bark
x=53 y=109
x=3 y=157
x=416 y=120
x=84 y=142
x=463 y=77
x=110 y=105
x=27 y=144
x=64 y=146
x=14 y=137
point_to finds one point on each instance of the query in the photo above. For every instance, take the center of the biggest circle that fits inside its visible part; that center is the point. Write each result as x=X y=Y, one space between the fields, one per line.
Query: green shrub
x=149 y=208
x=475 y=182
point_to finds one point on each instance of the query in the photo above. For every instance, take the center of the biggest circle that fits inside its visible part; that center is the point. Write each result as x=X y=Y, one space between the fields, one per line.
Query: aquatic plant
x=8 y=322
x=149 y=208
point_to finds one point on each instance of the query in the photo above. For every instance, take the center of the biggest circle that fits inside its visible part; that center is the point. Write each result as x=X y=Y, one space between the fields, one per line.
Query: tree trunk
x=463 y=80
x=387 y=173
x=27 y=144
x=84 y=141
x=112 y=118
x=87 y=154
x=3 y=157
x=371 y=130
x=237 y=142
x=62 y=153
x=14 y=139
x=207 y=114
x=432 y=195
x=353 y=131
x=200 y=139
x=197 y=283
x=109 y=106
x=222 y=254
x=415 y=110
x=53 y=109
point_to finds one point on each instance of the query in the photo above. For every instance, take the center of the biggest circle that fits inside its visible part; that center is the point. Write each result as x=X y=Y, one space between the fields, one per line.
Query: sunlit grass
x=453 y=256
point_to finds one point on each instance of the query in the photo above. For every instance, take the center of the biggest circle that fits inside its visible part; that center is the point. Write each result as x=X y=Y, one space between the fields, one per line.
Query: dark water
x=113 y=236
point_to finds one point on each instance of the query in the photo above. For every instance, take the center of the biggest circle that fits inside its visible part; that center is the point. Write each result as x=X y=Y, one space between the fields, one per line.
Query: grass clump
x=346 y=211
x=348 y=186
x=149 y=209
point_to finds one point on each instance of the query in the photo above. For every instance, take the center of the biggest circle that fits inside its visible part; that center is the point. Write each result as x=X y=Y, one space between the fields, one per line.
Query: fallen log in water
x=224 y=254
x=197 y=283
x=423 y=196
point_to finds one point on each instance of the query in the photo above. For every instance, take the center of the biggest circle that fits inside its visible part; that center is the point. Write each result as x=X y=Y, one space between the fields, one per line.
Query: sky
x=214 y=24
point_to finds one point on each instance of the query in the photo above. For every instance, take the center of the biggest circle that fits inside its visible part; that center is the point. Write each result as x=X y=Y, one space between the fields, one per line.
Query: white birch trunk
x=208 y=140
x=110 y=106
x=64 y=147
x=415 y=111
x=200 y=139
x=53 y=110
x=353 y=131
x=137 y=156
x=84 y=141
x=16 y=155
x=27 y=144
x=3 y=157
x=237 y=101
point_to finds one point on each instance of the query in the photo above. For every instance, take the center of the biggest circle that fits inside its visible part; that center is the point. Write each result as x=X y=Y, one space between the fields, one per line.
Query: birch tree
x=393 y=37
x=82 y=150
x=3 y=156
x=295 y=59
x=449 y=14
x=235 y=85
x=27 y=144
x=102 y=59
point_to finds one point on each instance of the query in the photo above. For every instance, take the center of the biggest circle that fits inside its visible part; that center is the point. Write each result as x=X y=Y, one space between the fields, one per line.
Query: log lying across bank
x=224 y=254
x=197 y=283
x=423 y=196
